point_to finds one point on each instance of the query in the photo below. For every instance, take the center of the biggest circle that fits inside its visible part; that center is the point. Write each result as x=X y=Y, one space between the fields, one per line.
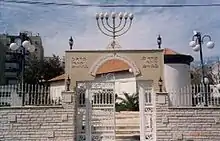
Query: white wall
x=176 y=76
x=56 y=88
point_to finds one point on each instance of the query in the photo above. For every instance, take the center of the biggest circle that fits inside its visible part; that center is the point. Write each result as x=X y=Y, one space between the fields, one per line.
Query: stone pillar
x=162 y=103
x=142 y=113
x=70 y=106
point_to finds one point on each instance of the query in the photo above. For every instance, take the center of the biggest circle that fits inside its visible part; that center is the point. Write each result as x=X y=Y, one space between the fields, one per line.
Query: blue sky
x=55 y=24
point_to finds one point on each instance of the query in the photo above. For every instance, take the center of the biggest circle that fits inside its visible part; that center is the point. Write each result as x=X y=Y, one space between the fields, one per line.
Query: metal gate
x=95 y=111
x=147 y=112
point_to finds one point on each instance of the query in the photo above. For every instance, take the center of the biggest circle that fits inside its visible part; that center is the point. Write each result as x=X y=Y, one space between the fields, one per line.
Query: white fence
x=195 y=95
x=21 y=95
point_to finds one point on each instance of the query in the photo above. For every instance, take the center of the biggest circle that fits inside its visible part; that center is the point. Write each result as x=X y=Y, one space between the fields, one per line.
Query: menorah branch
x=119 y=24
x=107 y=22
x=102 y=30
x=105 y=27
x=119 y=30
x=125 y=30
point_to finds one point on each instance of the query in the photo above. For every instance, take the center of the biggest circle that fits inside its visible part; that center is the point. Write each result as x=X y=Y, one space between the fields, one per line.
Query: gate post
x=142 y=113
x=69 y=104
x=88 y=115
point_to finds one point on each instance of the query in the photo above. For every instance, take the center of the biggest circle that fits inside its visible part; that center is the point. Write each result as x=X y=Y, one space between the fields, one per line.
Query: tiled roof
x=168 y=51
x=113 y=65
x=58 y=78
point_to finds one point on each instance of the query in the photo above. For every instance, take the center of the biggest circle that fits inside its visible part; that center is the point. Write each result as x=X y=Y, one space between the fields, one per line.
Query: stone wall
x=186 y=124
x=54 y=123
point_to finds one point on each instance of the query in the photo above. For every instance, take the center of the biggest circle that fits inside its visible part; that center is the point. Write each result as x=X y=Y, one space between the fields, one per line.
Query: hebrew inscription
x=150 y=62
x=79 y=62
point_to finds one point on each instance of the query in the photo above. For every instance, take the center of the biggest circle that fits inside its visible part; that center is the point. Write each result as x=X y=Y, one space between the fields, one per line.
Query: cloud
x=56 y=24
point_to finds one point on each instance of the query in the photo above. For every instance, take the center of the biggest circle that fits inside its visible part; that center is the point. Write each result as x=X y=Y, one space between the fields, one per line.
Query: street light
x=114 y=30
x=71 y=42
x=196 y=44
x=206 y=80
x=24 y=43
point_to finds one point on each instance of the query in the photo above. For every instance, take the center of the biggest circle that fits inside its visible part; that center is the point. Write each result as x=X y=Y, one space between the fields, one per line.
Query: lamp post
x=71 y=42
x=160 y=84
x=114 y=30
x=159 y=41
x=197 y=41
x=24 y=43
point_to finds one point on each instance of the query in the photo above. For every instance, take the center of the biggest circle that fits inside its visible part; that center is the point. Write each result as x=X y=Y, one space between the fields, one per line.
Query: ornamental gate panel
x=147 y=112
x=95 y=111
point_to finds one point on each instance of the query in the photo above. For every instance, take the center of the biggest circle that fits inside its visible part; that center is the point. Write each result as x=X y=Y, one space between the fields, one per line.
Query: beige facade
x=84 y=65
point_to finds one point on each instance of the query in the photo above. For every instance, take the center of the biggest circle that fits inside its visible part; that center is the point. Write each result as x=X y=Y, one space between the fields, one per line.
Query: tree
x=42 y=69
x=52 y=67
x=129 y=103
x=196 y=74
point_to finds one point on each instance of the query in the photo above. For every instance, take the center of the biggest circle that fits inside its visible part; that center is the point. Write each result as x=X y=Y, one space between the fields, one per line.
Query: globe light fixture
x=206 y=80
x=218 y=86
x=25 y=44
x=210 y=45
x=196 y=48
x=13 y=46
x=192 y=43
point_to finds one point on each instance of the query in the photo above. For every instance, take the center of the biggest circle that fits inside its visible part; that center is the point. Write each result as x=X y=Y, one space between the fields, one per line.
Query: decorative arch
x=108 y=57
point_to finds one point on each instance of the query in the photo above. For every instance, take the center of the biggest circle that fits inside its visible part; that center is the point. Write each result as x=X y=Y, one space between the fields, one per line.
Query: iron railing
x=195 y=95
x=27 y=94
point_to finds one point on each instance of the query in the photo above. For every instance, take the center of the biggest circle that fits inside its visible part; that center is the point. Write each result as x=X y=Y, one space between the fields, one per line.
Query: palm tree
x=128 y=103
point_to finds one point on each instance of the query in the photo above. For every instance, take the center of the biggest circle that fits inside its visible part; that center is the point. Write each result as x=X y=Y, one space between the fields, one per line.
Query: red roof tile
x=113 y=65
x=168 y=51
x=58 y=78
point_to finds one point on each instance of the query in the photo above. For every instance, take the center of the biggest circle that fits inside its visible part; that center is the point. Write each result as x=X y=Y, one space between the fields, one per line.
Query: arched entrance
x=120 y=59
x=113 y=74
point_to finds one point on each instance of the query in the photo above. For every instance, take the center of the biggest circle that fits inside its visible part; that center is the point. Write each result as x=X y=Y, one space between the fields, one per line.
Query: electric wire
x=108 y=5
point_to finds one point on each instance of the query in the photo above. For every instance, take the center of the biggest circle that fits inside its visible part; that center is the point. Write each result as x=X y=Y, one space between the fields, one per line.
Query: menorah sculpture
x=114 y=30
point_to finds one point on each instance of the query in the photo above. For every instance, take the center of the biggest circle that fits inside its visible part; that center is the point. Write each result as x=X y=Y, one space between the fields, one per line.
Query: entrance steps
x=127 y=126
